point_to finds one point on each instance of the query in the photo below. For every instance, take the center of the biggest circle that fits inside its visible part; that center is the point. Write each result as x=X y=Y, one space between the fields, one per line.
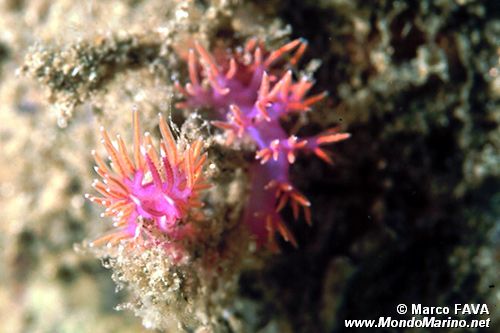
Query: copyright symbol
x=401 y=309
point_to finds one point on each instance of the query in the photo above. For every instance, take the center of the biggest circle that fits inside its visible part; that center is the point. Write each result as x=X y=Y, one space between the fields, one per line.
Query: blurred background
x=409 y=213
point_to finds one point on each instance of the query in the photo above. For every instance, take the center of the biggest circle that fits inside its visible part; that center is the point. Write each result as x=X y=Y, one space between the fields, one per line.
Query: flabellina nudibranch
x=149 y=194
x=251 y=89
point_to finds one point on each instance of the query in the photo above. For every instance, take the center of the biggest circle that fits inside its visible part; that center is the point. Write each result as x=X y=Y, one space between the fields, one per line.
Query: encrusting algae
x=178 y=262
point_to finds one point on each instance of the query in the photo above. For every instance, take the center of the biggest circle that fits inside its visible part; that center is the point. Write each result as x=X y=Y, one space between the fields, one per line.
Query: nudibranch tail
x=252 y=90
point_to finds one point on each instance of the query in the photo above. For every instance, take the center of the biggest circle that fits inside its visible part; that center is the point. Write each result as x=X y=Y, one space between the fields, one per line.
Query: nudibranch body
x=149 y=193
x=252 y=90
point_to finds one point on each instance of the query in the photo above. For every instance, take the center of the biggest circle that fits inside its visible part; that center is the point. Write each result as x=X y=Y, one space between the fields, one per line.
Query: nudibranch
x=147 y=193
x=252 y=90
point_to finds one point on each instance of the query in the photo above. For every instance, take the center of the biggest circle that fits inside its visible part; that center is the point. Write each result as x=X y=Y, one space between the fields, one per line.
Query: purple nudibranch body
x=252 y=90
x=149 y=193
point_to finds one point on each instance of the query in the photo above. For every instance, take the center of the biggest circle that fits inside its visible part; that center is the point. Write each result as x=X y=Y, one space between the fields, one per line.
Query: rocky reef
x=408 y=213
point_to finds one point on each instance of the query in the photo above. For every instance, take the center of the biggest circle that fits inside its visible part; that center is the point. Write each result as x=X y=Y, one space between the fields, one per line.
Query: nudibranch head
x=147 y=193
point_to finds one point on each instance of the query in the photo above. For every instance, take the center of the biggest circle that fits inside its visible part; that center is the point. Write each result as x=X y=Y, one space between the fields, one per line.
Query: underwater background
x=407 y=213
